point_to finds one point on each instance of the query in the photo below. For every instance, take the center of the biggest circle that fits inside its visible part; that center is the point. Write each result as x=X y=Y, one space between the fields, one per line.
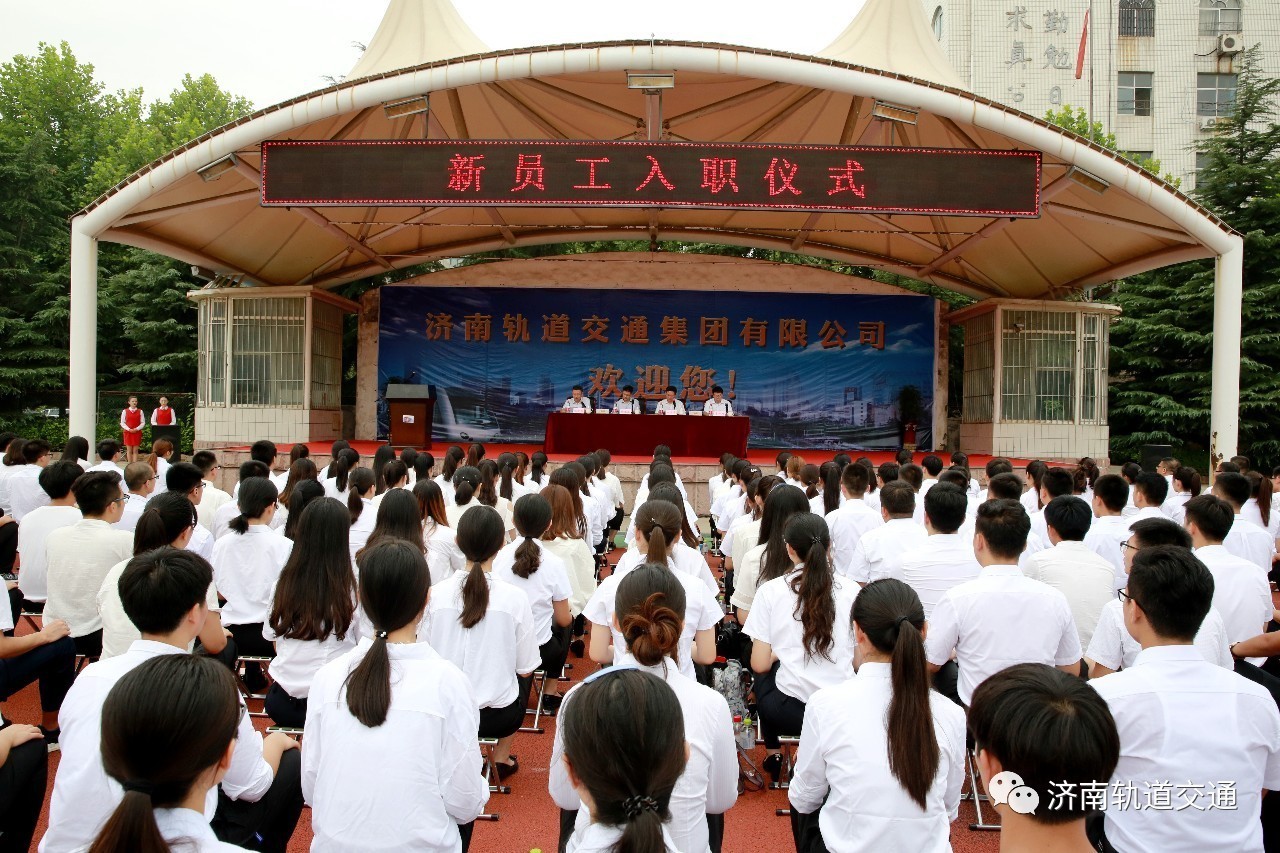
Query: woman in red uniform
x=163 y=415
x=131 y=420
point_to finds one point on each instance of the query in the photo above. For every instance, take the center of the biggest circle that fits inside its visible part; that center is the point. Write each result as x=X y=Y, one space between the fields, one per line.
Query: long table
x=686 y=435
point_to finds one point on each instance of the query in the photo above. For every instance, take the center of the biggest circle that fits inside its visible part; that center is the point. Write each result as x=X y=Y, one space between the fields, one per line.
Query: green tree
x=1076 y=119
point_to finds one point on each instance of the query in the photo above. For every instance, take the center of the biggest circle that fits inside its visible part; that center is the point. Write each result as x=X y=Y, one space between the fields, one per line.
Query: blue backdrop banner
x=811 y=370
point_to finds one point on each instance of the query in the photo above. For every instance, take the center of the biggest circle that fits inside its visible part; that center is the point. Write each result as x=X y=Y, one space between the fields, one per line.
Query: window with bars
x=1220 y=16
x=1038 y=351
x=326 y=356
x=1137 y=18
x=212 y=333
x=1094 y=340
x=979 y=369
x=1133 y=97
x=1215 y=94
x=267 y=351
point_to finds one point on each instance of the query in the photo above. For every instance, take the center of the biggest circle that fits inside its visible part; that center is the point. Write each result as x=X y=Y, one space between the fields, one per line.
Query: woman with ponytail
x=423 y=467
x=529 y=566
x=563 y=539
x=246 y=563
x=1186 y=485
x=487 y=493
x=391 y=760
x=801 y=639
x=567 y=477
x=335 y=486
x=831 y=497
x=398 y=517
x=443 y=556
x=169 y=519
x=684 y=551
x=168 y=734
x=624 y=753
x=475 y=453
x=381 y=457
x=312 y=610
x=303 y=494
x=506 y=477
x=768 y=559
x=465 y=490
x=161 y=453
x=485 y=626
x=649 y=611
x=300 y=471
x=359 y=501
x=881 y=753
x=537 y=468
x=520 y=484
x=449 y=466
x=396 y=477
x=657 y=528
x=810 y=481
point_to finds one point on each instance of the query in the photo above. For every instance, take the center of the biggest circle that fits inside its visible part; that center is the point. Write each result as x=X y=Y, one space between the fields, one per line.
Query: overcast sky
x=273 y=50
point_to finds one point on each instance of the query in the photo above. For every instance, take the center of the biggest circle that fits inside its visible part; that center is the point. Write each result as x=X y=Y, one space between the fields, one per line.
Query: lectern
x=411 y=408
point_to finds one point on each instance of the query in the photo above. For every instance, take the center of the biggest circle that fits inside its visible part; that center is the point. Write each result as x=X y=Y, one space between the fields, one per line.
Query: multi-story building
x=1156 y=73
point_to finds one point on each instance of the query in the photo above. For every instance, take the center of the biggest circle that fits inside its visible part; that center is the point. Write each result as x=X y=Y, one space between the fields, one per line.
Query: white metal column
x=1228 y=292
x=83 y=402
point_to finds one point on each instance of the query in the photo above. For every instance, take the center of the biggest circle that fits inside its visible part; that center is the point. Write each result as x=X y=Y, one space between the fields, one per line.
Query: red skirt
x=133 y=439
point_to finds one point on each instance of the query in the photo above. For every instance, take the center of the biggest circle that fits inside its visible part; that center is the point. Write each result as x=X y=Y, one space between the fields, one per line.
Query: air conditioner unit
x=1210 y=123
x=1230 y=43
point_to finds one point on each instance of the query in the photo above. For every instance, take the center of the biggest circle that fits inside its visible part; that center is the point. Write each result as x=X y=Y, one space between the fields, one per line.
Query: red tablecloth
x=638 y=434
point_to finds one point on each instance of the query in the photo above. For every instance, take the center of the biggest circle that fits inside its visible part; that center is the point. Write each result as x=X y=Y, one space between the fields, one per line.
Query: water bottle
x=745 y=732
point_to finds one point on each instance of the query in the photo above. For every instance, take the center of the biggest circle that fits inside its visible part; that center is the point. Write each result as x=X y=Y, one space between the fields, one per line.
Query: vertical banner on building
x=811 y=370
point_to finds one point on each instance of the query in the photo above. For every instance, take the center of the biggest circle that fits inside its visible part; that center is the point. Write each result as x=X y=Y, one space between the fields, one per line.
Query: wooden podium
x=411 y=409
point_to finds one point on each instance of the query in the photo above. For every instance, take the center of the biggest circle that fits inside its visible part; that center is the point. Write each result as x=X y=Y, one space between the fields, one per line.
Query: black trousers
x=53 y=664
x=780 y=714
x=226 y=657
x=23 y=779
x=15 y=603
x=249 y=641
x=947 y=682
x=90 y=645
x=8 y=547
x=554 y=652
x=504 y=722
x=284 y=709
x=805 y=832
x=268 y=824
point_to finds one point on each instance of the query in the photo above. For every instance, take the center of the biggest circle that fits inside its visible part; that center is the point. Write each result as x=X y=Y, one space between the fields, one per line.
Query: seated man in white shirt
x=1112 y=648
x=1241 y=592
x=717 y=406
x=627 y=404
x=25 y=493
x=1086 y=579
x=140 y=480
x=1054 y=734
x=913 y=476
x=946 y=558
x=932 y=466
x=1172 y=709
x=1130 y=472
x=211 y=498
x=1110 y=527
x=33 y=534
x=852 y=519
x=1247 y=541
x=1009 y=487
x=185 y=479
x=108 y=450
x=1149 y=494
x=163 y=592
x=879 y=551
x=1054 y=483
x=669 y=405
x=265 y=452
x=577 y=402
x=1002 y=617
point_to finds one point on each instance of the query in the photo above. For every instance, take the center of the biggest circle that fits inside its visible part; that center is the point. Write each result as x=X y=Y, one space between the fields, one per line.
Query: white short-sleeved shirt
x=744 y=536
x=724 y=497
x=246 y=567
x=626 y=407
x=1251 y=513
x=669 y=407
x=701 y=610
x=403 y=785
x=297 y=661
x=77 y=559
x=25 y=493
x=848 y=524
x=134 y=506
x=879 y=551
x=580 y=563
x=842 y=766
x=1241 y=592
x=1251 y=542
x=547 y=585
x=190 y=832
x=1105 y=535
x=443 y=555
x=33 y=535
x=746 y=578
x=1185 y=721
x=1000 y=619
x=118 y=630
x=1115 y=648
x=211 y=500
x=709 y=783
x=492 y=651
x=6 y=472
x=222 y=519
x=1084 y=577
x=772 y=620
x=945 y=560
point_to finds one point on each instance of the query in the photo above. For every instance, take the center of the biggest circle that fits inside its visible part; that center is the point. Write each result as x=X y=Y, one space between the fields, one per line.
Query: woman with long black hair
x=768 y=559
x=381 y=457
x=337 y=483
x=449 y=466
x=443 y=556
x=882 y=754
x=466 y=491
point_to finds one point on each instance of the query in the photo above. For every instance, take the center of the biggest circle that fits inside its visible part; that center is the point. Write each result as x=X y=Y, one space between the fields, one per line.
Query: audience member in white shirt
x=1054 y=483
x=882 y=755
x=611 y=487
x=466 y=483
x=1130 y=472
x=391 y=759
x=1002 y=617
x=168 y=522
x=1084 y=577
x=246 y=564
x=443 y=556
x=1185 y=485
x=1030 y=499
x=1149 y=493
x=364 y=517
x=932 y=466
x=647 y=612
x=396 y=476
x=1109 y=527
x=1170 y=708
x=801 y=634
x=669 y=405
x=165 y=790
x=744 y=533
x=140 y=480
x=334 y=449
x=300 y=471
x=336 y=484
x=452 y=461
x=769 y=560
x=485 y=627
x=76 y=450
x=78 y=558
x=626 y=404
x=946 y=558
x=158 y=460
x=187 y=480
x=1053 y=733
x=1112 y=648
x=164 y=594
x=25 y=493
x=108 y=450
x=33 y=534
x=1241 y=592
x=423 y=466
x=1008 y=487
x=564 y=539
x=880 y=550
x=212 y=498
x=721 y=481
x=222 y=517
x=1248 y=541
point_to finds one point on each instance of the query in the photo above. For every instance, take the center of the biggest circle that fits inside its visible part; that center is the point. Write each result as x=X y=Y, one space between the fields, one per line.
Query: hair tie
x=381 y=635
x=144 y=788
x=897 y=623
x=634 y=806
x=817 y=540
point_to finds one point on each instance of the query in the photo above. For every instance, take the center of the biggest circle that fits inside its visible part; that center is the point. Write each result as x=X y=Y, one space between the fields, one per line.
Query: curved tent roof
x=1115 y=221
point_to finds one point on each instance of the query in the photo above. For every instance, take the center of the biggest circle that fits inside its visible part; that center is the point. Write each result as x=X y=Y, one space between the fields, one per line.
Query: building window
x=212 y=388
x=326 y=355
x=267 y=351
x=937 y=23
x=1215 y=94
x=1038 y=351
x=979 y=362
x=1137 y=17
x=1220 y=16
x=1139 y=156
x=1134 y=93
x=1094 y=344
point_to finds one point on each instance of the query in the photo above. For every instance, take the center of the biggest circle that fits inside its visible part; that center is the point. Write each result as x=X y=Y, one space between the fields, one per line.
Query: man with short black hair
x=211 y=497
x=1054 y=482
x=163 y=592
x=1109 y=527
x=185 y=479
x=626 y=404
x=717 y=406
x=670 y=404
x=140 y=480
x=25 y=493
x=1002 y=617
x=995 y=466
x=851 y=519
x=1149 y=494
x=1130 y=472
x=880 y=549
x=946 y=558
x=904 y=457
x=1086 y=579
x=1008 y=487
x=1242 y=464
x=1171 y=709
x=1054 y=734
x=1241 y=592
x=108 y=450
x=226 y=512
x=80 y=556
x=932 y=466
x=1245 y=540
x=577 y=402
x=57 y=480
x=913 y=476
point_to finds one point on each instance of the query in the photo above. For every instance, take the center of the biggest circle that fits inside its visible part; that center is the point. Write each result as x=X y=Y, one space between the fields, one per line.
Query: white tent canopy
x=1103 y=218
